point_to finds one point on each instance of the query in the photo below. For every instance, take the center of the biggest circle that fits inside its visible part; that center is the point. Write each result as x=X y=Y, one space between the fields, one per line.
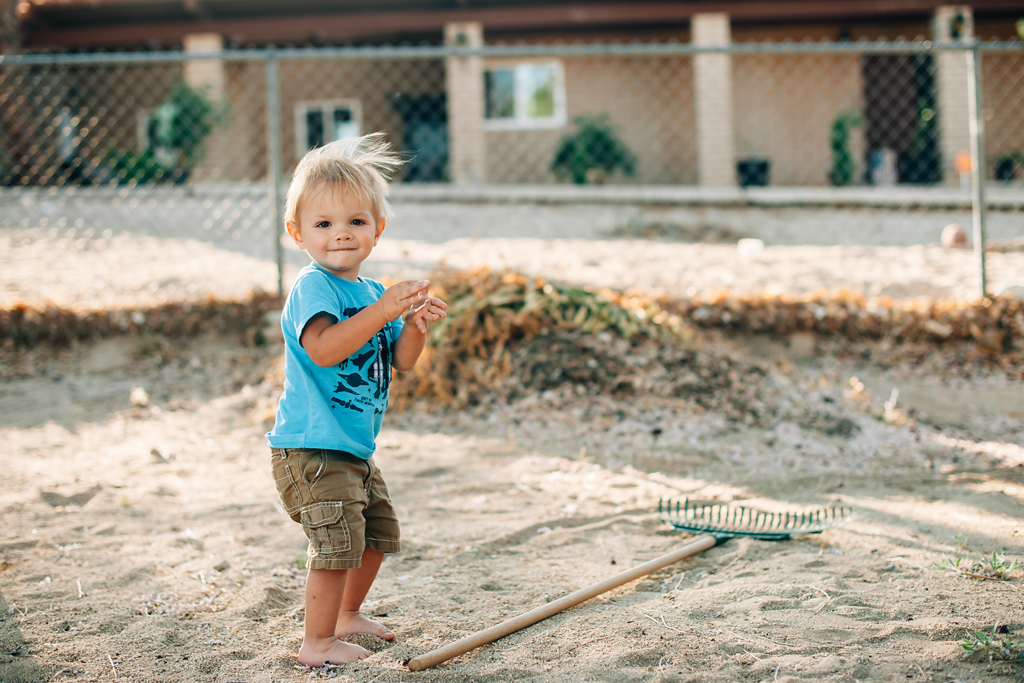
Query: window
x=320 y=122
x=525 y=95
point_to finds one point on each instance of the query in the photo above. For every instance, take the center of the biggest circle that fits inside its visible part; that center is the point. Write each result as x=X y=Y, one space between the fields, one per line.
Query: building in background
x=687 y=119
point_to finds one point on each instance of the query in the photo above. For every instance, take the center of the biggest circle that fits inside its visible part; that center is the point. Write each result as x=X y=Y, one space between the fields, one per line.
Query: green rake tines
x=727 y=521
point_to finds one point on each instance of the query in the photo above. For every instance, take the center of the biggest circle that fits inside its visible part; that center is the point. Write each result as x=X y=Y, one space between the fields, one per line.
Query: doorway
x=901 y=120
x=425 y=136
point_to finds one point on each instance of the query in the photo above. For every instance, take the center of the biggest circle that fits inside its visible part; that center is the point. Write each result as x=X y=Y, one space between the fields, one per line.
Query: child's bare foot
x=350 y=623
x=330 y=651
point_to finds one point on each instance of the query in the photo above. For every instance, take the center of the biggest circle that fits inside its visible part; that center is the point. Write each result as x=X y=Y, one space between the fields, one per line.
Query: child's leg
x=357 y=585
x=325 y=589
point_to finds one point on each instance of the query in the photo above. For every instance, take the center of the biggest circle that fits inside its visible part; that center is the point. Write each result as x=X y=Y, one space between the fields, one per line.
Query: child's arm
x=328 y=342
x=414 y=334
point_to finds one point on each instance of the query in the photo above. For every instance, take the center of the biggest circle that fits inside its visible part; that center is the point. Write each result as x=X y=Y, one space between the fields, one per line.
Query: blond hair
x=363 y=165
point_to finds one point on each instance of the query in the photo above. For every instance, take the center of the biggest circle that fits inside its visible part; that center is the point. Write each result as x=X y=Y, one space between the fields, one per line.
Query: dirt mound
x=617 y=367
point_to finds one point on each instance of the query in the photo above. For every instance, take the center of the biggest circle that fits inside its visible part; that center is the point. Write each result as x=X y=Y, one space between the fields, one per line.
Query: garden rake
x=715 y=523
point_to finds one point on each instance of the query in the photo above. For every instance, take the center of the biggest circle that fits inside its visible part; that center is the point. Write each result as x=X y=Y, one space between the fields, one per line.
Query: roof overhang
x=118 y=23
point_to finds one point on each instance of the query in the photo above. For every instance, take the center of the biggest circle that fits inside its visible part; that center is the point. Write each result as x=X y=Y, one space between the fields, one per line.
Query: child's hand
x=431 y=310
x=400 y=297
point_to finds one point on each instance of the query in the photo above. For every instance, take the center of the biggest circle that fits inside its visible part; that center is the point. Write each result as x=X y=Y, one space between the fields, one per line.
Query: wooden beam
x=342 y=26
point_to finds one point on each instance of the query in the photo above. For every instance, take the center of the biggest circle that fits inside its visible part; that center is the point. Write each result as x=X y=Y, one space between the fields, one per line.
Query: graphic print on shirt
x=369 y=368
x=380 y=370
x=360 y=360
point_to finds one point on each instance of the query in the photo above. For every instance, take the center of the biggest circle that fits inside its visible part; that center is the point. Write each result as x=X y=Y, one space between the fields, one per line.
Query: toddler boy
x=343 y=334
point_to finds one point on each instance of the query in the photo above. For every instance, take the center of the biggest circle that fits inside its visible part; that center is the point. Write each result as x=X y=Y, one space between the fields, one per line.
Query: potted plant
x=180 y=128
x=592 y=152
x=843 y=165
x=177 y=133
x=1006 y=164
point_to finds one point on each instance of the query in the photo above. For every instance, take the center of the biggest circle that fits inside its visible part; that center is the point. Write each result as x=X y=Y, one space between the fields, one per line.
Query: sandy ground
x=126 y=269
x=236 y=216
x=679 y=269
x=145 y=542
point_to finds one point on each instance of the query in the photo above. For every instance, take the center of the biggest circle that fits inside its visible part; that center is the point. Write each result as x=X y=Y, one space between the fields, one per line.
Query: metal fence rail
x=200 y=145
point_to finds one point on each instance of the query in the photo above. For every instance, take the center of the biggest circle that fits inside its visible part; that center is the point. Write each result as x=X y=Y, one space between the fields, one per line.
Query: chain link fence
x=184 y=145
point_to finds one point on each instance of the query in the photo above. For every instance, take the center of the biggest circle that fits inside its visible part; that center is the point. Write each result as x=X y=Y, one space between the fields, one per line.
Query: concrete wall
x=371 y=82
x=648 y=99
x=785 y=106
x=1003 y=83
x=464 y=88
x=713 y=100
x=1003 y=87
x=244 y=137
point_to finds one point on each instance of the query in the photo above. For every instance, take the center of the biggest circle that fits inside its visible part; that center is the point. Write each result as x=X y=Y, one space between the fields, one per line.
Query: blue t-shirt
x=339 y=407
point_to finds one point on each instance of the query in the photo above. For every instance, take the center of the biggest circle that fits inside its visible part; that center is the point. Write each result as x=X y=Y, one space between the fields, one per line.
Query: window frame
x=325 y=107
x=520 y=121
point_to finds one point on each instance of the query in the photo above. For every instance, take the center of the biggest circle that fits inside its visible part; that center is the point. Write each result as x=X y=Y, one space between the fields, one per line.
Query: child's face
x=337 y=228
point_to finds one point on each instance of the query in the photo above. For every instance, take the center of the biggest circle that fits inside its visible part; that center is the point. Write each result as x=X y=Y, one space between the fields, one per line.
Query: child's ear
x=380 y=231
x=293 y=232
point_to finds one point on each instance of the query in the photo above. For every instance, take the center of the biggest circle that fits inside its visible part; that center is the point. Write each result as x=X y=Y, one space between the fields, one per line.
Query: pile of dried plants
x=997 y=325
x=32 y=324
x=507 y=335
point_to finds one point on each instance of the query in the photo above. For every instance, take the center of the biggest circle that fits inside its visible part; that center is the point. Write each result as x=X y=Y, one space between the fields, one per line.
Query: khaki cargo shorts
x=341 y=501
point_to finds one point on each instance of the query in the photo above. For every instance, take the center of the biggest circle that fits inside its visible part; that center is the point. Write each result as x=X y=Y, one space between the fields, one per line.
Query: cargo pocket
x=285 y=483
x=326 y=528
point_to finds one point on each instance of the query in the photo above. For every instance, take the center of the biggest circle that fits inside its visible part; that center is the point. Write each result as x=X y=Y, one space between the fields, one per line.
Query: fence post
x=274 y=163
x=976 y=114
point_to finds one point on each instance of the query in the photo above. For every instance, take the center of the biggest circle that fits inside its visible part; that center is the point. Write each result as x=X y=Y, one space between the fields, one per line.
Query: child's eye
x=323 y=224
x=358 y=221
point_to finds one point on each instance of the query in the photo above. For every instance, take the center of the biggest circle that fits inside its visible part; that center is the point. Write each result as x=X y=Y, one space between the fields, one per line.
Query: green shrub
x=843 y=165
x=178 y=132
x=592 y=152
x=131 y=168
x=184 y=122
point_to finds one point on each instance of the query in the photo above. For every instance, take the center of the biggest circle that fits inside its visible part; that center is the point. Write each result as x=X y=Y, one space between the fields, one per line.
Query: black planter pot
x=752 y=172
x=1006 y=169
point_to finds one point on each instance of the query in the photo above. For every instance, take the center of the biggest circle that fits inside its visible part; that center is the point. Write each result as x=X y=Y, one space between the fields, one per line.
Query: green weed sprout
x=996 y=565
x=1007 y=649
x=995 y=568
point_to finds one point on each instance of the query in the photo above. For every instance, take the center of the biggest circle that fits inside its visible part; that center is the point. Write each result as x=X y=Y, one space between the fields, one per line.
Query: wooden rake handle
x=489 y=635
